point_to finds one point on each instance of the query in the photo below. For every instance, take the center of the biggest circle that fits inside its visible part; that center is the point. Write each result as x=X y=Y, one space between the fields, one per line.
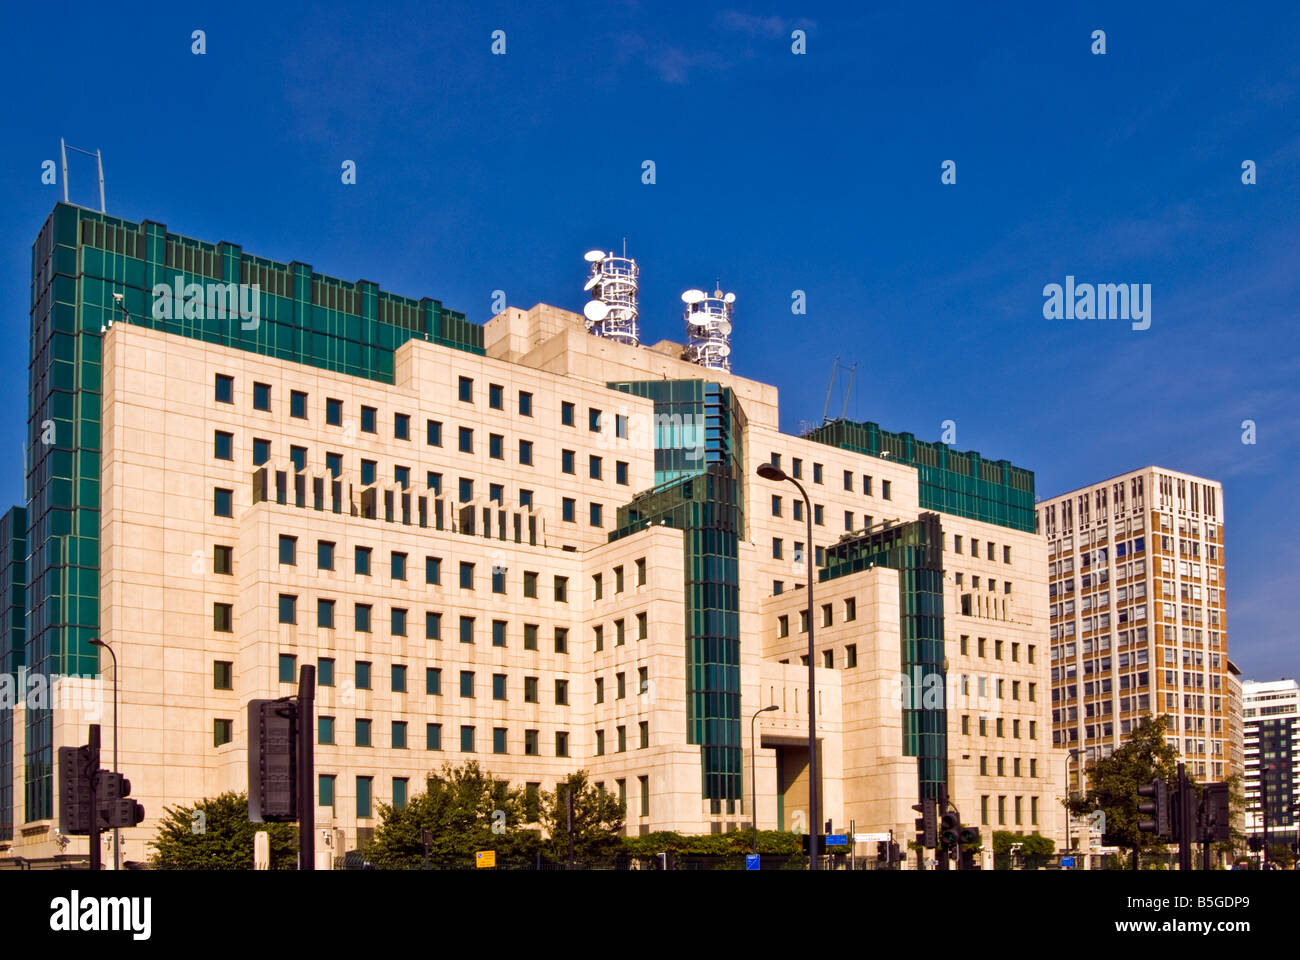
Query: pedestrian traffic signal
x=927 y=824
x=1157 y=803
x=970 y=840
x=272 y=761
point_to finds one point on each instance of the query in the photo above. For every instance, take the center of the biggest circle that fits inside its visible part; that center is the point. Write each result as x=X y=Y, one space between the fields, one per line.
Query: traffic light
x=895 y=852
x=970 y=840
x=1157 y=792
x=882 y=850
x=1214 y=813
x=116 y=809
x=272 y=761
x=950 y=830
x=927 y=824
x=1256 y=844
x=75 y=765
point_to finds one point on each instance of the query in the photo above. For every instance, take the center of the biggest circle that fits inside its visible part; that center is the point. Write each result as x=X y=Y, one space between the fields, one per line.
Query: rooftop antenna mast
x=844 y=411
x=99 y=160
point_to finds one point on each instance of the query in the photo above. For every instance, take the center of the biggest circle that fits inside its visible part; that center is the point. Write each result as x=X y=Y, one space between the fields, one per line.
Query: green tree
x=464 y=809
x=1113 y=783
x=1034 y=847
x=597 y=820
x=216 y=834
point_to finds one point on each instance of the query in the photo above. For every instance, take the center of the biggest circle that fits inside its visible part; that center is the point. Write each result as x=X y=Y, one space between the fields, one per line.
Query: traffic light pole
x=1184 y=819
x=93 y=769
x=306 y=768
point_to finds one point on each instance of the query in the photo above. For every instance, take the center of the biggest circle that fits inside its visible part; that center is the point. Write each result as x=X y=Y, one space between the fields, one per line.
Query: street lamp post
x=769 y=471
x=753 y=770
x=117 y=840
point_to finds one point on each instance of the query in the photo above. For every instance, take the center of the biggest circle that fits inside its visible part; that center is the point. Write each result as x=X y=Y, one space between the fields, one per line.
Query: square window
x=261 y=396
x=225 y=389
x=222 y=732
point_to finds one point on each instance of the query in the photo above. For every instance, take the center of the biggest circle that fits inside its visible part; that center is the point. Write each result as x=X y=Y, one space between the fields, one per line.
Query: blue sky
x=775 y=172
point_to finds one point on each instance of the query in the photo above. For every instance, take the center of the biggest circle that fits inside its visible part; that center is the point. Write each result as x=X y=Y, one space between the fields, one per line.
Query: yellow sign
x=485 y=858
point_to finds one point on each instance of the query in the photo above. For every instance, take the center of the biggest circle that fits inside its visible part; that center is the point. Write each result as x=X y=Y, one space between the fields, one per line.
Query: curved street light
x=117 y=839
x=769 y=471
x=753 y=769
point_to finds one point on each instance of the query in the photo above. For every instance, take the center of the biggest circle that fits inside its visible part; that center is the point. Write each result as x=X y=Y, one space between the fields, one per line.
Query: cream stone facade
x=464 y=599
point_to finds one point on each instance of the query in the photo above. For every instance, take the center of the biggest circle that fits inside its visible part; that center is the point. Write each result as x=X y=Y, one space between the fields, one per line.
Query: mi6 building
x=536 y=542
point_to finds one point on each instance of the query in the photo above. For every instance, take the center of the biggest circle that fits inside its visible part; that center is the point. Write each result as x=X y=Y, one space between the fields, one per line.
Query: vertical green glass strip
x=13 y=624
x=915 y=550
x=699 y=462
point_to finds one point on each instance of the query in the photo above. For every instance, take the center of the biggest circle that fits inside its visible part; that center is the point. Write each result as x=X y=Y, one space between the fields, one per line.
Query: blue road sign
x=1067 y=863
x=751 y=861
x=837 y=839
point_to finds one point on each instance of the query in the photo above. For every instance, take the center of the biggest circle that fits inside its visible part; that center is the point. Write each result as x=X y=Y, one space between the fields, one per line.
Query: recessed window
x=567 y=461
x=620 y=472
x=530 y=636
x=597 y=515
x=398 y=565
x=261 y=451
x=465 y=490
x=325 y=730
x=433 y=433
x=325 y=614
x=222 y=732
x=561 y=639
x=261 y=396
x=466 y=444
x=363 y=675
x=288 y=608
x=325 y=671
x=369 y=420
x=496 y=446
x=561 y=744
x=361 y=616
x=467 y=684
x=369 y=470
x=298 y=404
x=223 y=445
x=593 y=419
x=466 y=390
x=223 y=559
x=466 y=629
x=525 y=404
x=363 y=732
x=562 y=692
x=433 y=681
x=288 y=550
x=333 y=412
x=334 y=464
x=530 y=742
x=397 y=622
x=288 y=668
x=223 y=675
x=222 y=617
x=399 y=678
x=466 y=575
x=362 y=561
x=568 y=509
x=594 y=467
x=886 y=489
x=324 y=555
x=561 y=589
x=526 y=453
x=432 y=625
x=223 y=502
x=225 y=389
x=496 y=396
x=401 y=426
x=399 y=743
x=566 y=414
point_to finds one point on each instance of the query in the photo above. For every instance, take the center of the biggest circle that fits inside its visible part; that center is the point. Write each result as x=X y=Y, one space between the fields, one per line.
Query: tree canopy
x=216 y=834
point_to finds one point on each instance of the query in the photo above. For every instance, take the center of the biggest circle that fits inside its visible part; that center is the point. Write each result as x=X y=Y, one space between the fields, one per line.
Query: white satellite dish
x=693 y=296
x=724 y=349
x=595 y=310
x=698 y=318
x=729 y=298
x=723 y=328
x=592 y=282
x=591 y=256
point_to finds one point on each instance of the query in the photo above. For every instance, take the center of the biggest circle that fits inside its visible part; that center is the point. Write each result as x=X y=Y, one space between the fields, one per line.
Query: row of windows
x=999 y=726
x=990 y=548
x=818 y=476
x=224 y=390
x=1017 y=767
x=849 y=613
x=999 y=646
x=327 y=784
x=1002 y=810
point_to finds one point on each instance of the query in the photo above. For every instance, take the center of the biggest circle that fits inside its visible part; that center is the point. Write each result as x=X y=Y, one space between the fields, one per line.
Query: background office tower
x=515 y=542
x=1271 y=713
x=1138 y=622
